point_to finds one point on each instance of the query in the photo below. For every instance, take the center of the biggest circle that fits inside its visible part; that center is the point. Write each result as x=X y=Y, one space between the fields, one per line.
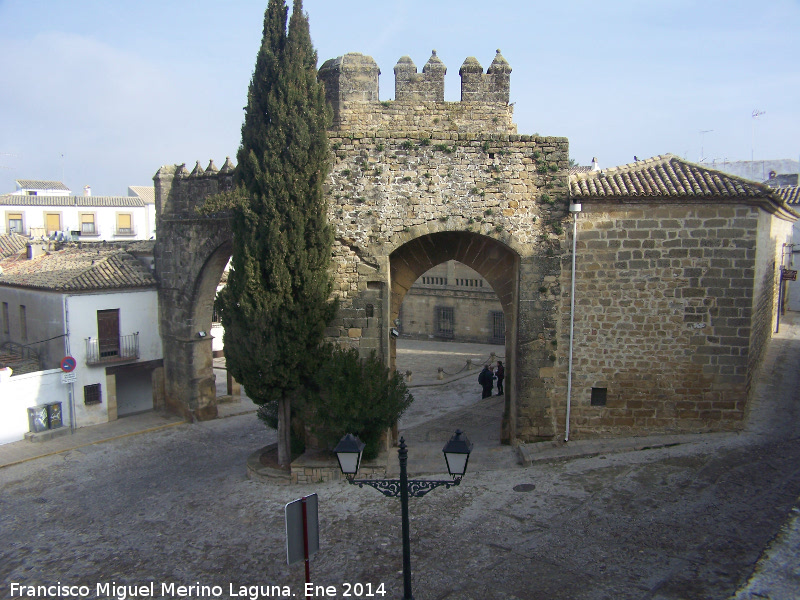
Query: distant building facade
x=452 y=302
x=47 y=208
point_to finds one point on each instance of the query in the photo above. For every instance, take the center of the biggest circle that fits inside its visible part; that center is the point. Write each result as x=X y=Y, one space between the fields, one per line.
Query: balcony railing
x=101 y=351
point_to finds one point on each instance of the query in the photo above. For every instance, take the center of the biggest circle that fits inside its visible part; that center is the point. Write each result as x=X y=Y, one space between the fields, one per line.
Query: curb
x=258 y=472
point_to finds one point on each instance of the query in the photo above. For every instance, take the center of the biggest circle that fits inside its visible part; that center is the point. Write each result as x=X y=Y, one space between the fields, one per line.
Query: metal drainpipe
x=574 y=208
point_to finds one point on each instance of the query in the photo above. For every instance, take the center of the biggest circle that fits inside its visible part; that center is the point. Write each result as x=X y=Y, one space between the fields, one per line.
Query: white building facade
x=99 y=307
x=46 y=208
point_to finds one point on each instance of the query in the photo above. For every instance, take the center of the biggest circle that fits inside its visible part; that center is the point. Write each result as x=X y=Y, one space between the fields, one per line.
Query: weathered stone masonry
x=676 y=264
x=415 y=181
x=418 y=181
x=674 y=300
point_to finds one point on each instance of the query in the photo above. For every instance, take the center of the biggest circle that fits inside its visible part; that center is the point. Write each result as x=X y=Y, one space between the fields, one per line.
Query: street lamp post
x=456 y=454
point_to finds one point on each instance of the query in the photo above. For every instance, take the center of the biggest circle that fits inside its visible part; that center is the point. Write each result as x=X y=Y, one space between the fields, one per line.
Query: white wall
x=143 y=219
x=44 y=318
x=138 y=312
x=19 y=392
x=793 y=292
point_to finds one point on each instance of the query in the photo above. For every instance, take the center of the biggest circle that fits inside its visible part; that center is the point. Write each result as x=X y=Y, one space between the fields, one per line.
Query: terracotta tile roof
x=108 y=201
x=789 y=194
x=663 y=177
x=81 y=201
x=38 y=184
x=12 y=243
x=22 y=200
x=78 y=269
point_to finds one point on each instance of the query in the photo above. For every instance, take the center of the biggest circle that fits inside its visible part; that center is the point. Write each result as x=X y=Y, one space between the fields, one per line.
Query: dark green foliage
x=276 y=305
x=355 y=395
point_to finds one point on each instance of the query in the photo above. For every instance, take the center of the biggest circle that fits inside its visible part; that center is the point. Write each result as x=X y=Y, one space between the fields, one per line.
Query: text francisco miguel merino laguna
x=149 y=590
x=117 y=591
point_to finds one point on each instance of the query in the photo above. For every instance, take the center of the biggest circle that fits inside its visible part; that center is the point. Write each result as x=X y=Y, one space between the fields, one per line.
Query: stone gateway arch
x=417 y=181
x=414 y=182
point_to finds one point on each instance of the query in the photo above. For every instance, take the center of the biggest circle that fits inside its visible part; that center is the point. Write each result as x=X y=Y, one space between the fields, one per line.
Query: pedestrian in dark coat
x=486 y=379
x=500 y=374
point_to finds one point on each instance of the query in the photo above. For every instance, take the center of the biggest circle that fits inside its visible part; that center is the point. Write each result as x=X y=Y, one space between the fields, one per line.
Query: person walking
x=500 y=373
x=486 y=379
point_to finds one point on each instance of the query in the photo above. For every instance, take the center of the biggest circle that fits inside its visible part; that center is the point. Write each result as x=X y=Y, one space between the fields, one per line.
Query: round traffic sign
x=68 y=364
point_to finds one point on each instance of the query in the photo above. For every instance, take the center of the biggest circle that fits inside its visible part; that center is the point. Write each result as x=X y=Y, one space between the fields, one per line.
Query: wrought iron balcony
x=119 y=349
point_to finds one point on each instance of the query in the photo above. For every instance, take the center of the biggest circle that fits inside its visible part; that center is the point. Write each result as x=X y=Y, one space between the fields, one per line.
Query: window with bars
x=92 y=394
x=445 y=321
x=498 y=322
x=599 y=396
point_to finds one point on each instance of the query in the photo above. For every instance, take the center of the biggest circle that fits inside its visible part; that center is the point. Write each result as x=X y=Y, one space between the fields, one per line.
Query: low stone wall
x=316 y=466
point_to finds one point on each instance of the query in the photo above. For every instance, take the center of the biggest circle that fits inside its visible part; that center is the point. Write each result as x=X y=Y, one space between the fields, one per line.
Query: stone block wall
x=663 y=305
x=385 y=191
x=771 y=234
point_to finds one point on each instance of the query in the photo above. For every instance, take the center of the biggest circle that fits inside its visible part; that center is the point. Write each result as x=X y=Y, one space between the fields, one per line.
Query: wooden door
x=108 y=332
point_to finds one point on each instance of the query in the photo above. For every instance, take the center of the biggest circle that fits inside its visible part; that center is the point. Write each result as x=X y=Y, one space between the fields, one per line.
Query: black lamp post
x=456 y=454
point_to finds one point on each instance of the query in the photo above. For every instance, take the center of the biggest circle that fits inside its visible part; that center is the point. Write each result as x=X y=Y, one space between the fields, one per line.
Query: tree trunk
x=284 y=433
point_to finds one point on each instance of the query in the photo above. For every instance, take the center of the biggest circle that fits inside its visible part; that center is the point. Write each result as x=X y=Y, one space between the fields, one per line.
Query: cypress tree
x=275 y=306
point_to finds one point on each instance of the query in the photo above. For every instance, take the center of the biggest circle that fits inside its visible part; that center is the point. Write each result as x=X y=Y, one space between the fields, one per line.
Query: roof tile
x=77 y=269
x=666 y=176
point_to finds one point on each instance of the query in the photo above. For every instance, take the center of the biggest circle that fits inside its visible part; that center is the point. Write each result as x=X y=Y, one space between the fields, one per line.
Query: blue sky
x=104 y=92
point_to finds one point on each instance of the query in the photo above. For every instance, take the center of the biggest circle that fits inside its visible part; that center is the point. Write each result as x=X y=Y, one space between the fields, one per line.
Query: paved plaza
x=161 y=502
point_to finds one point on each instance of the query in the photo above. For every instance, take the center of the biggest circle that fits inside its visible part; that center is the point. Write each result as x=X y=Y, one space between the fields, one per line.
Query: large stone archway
x=413 y=182
x=492 y=259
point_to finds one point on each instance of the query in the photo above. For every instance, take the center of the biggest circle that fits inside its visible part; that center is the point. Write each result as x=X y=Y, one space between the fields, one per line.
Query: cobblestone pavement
x=687 y=520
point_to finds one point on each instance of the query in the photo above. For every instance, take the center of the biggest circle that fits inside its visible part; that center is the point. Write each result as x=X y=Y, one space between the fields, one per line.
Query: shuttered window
x=52 y=222
x=124 y=224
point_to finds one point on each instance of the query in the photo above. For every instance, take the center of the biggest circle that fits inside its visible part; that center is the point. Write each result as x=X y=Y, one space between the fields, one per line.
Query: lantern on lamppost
x=456 y=453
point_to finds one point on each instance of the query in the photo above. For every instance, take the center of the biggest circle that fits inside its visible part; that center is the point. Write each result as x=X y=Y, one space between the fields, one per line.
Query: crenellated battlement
x=179 y=192
x=426 y=86
x=351 y=86
x=492 y=86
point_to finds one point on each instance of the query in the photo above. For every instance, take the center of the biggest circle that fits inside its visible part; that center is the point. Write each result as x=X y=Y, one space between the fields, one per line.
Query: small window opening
x=599 y=396
x=91 y=394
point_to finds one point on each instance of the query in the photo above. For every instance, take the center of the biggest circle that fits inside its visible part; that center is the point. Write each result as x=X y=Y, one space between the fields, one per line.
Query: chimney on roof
x=34 y=250
x=87 y=190
x=595 y=164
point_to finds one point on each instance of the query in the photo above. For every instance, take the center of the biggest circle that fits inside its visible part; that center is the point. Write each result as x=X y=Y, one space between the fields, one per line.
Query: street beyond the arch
x=689 y=519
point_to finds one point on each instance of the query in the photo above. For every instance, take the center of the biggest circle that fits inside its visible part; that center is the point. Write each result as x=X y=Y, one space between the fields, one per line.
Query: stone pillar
x=190 y=391
x=111 y=397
